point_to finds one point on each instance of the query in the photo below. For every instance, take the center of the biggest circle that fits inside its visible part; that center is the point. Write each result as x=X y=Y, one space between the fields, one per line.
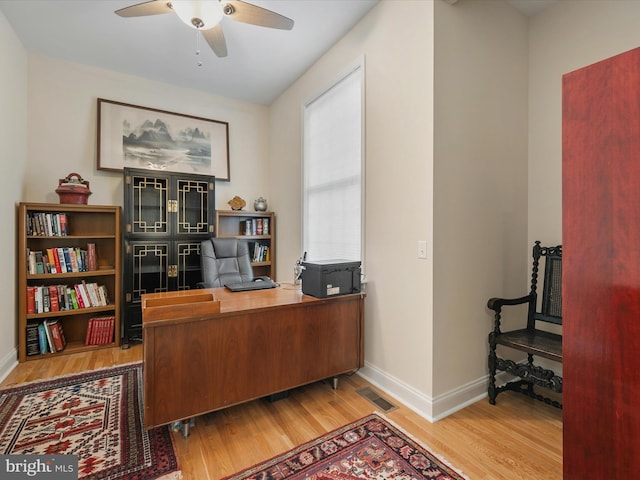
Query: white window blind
x=333 y=171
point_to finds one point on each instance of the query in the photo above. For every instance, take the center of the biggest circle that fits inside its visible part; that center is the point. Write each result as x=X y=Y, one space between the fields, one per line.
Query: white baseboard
x=8 y=363
x=433 y=409
x=412 y=398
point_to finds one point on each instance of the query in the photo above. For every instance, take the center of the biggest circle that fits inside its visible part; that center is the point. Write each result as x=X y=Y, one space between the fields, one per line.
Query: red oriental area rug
x=95 y=415
x=371 y=448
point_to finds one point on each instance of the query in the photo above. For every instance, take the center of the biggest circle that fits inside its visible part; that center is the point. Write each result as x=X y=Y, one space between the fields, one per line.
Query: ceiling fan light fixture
x=198 y=14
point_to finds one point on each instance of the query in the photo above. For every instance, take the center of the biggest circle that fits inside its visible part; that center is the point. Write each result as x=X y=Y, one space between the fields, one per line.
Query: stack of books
x=45 y=337
x=100 y=330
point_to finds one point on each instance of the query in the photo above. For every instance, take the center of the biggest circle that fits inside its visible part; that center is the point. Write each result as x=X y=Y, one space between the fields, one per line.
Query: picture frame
x=154 y=139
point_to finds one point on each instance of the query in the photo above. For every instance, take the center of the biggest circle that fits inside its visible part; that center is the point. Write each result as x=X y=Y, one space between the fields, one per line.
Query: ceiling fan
x=206 y=15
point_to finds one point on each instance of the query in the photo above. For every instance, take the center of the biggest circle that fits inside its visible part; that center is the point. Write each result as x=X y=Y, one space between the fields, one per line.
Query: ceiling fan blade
x=215 y=39
x=154 y=7
x=248 y=13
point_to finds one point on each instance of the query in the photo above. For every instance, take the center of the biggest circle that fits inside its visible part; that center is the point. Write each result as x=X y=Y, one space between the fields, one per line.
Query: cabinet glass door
x=148 y=205
x=188 y=275
x=149 y=271
x=193 y=210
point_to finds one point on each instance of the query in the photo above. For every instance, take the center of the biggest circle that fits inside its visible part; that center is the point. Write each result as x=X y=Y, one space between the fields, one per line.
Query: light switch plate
x=422 y=249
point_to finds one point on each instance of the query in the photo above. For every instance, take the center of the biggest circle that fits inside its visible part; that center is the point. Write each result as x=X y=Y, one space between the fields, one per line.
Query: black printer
x=328 y=278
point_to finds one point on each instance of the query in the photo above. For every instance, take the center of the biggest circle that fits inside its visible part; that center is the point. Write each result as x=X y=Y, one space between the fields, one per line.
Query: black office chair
x=224 y=261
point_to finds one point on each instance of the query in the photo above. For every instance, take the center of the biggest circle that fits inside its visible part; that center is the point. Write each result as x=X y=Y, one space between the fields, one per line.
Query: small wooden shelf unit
x=99 y=225
x=233 y=223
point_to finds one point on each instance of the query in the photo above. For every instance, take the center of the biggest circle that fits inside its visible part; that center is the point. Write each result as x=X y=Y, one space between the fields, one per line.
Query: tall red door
x=601 y=269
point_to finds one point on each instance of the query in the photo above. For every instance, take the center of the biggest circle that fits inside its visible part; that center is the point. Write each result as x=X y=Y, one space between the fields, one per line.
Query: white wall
x=13 y=139
x=568 y=36
x=62 y=130
x=396 y=38
x=426 y=320
x=480 y=221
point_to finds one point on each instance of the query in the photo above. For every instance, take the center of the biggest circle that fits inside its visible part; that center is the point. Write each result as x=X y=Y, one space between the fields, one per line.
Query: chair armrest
x=496 y=304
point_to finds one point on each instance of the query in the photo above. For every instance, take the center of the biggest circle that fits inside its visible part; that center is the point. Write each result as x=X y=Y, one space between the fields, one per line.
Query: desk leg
x=185 y=426
x=335 y=383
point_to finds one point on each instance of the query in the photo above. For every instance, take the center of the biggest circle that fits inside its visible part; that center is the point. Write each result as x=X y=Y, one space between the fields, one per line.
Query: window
x=333 y=171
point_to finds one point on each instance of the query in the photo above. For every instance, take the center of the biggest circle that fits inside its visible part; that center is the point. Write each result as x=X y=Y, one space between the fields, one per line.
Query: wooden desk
x=260 y=343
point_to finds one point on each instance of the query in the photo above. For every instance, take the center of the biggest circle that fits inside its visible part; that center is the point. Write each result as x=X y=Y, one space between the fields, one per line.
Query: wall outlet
x=422 y=249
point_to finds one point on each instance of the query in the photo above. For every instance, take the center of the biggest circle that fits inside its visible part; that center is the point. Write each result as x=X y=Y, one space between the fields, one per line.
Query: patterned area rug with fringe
x=371 y=448
x=95 y=415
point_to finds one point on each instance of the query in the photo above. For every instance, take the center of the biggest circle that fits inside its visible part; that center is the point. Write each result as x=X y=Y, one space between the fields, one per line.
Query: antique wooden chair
x=531 y=340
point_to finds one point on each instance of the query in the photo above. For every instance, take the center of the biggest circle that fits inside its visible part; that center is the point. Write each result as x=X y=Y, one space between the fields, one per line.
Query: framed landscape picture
x=142 y=137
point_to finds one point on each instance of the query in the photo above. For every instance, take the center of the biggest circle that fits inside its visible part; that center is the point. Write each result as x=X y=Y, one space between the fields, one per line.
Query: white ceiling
x=261 y=64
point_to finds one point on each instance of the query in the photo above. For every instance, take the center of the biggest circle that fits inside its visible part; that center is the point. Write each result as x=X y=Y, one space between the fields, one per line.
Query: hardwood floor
x=519 y=438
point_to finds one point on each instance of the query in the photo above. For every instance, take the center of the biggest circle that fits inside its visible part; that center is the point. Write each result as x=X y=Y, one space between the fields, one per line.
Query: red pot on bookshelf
x=73 y=189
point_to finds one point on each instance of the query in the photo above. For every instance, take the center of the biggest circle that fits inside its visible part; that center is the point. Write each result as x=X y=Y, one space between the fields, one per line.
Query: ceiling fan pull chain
x=199 y=63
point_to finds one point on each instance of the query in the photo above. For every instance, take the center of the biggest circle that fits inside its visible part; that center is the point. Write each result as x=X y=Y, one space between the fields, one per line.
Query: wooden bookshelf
x=233 y=223
x=87 y=224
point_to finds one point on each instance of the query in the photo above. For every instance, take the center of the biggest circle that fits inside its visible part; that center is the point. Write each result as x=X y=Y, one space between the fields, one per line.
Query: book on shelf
x=96 y=327
x=50 y=225
x=42 y=339
x=91 y=257
x=54 y=304
x=53 y=253
x=47 y=331
x=31 y=300
x=101 y=326
x=33 y=339
x=87 y=337
x=54 y=326
x=64 y=224
x=81 y=296
x=49 y=263
x=81 y=257
x=39 y=262
x=72 y=298
x=67 y=259
x=49 y=231
x=104 y=294
x=57 y=225
x=73 y=260
x=62 y=260
x=46 y=301
x=102 y=297
x=63 y=299
x=31 y=262
x=38 y=300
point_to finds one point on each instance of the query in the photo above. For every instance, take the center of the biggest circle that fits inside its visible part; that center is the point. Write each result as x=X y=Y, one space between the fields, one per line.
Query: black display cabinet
x=166 y=216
